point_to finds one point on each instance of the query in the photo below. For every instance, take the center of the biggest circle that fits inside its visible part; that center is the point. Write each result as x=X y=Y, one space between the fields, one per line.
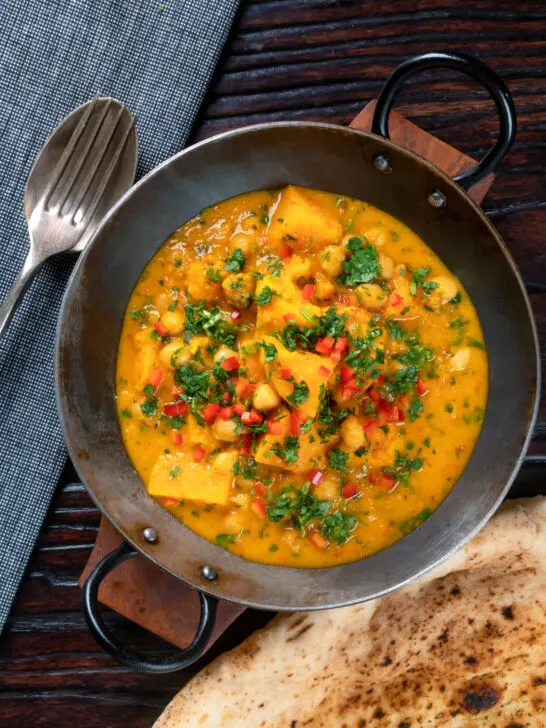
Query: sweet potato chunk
x=305 y=368
x=299 y=218
x=178 y=476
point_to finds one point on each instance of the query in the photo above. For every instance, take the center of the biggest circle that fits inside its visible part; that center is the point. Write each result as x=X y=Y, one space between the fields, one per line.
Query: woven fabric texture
x=158 y=59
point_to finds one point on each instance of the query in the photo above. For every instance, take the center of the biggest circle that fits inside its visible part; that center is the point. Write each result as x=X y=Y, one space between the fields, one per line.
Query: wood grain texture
x=288 y=59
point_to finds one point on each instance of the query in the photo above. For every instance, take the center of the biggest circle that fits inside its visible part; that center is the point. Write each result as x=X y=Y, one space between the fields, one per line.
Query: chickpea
x=238 y=289
x=460 y=360
x=234 y=522
x=173 y=321
x=376 y=236
x=174 y=354
x=224 y=352
x=203 y=287
x=387 y=266
x=225 y=430
x=244 y=241
x=266 y=398
x=225 y=461
x=324 y=288
x=446 y=289
x=371 y=296
x=327 y=489
x=291 y=537
x=331 y=260
x=242 y=500
x=352 y=433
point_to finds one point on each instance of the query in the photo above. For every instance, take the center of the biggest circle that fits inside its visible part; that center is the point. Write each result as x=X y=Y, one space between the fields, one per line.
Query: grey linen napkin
x=158 y=59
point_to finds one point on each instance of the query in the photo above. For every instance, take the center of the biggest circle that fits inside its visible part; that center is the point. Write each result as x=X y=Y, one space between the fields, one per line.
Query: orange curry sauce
x=300 y=379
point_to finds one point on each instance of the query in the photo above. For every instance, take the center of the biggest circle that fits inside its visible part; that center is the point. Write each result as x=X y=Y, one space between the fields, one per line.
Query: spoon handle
x=30 y=267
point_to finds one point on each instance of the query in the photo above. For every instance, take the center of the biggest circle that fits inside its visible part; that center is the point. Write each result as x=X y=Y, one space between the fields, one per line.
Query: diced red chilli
x=285 y=251
x=256 y=418
x=260 y=489
x=230 y=364
x=274 y=427
x=325 y=345
x=258 y=508
x=316 y=476
x=245 y=418
x=210 y=411
x=371 y=426
x=176 y=409
x=246 y=444
x=289 y=317
x=421 y=387
x=238 y=409
x=226 y=397
x=395 y=299
x=323 y=371
x=177 y=438
x=318 y=540
x=285 y=373
x=155 y=378
x=160 y=328
x=374 y=395
x=349 y=490
x=226 y=413
x=295 y=423
x=308 y=291
x=235 y=314
x=198 y=453
x=346 y=373
x=380 y=380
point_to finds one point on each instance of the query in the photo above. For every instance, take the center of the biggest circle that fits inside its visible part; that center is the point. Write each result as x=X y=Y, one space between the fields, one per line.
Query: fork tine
x=98 y=155
x=68 y=180
x=90 y=211
x=67 y=152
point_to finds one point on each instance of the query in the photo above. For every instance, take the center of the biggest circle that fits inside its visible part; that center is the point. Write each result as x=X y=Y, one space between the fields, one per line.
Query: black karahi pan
x=336 y=159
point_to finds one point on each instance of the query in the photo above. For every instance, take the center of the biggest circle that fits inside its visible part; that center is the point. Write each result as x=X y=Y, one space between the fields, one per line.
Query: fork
x=83 y=168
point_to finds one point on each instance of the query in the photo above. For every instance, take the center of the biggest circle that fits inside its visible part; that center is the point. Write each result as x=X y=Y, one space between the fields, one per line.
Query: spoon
x=84 y=167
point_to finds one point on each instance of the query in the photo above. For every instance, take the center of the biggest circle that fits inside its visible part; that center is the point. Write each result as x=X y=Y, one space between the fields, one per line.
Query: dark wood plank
x=288 y=59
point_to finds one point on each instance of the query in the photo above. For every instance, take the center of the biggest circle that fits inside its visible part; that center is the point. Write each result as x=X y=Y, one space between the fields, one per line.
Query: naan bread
x=464 y=646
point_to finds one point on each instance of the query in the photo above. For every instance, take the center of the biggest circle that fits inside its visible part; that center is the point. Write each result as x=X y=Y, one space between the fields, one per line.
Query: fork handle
x=30 y=267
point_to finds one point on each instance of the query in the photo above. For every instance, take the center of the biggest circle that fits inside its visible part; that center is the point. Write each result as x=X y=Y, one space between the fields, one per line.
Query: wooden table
x=294 y=59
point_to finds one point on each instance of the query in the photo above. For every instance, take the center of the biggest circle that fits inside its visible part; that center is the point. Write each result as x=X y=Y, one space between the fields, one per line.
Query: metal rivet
x=209 y=573
x=382 y=163
x=149 y=534
x=437 y=198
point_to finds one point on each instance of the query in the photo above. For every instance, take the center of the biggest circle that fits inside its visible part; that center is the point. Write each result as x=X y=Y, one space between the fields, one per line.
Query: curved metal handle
x=111 y=644
x=479 y=72
x=9 y=305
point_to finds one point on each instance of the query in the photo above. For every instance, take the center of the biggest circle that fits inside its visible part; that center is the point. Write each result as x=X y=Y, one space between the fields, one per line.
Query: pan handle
x=479 y=72
x=111 y=644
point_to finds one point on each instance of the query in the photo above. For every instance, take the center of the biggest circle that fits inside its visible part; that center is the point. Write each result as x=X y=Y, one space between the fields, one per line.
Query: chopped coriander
x=126 y=413
x=457 y=298
x=288 y=451
x=363 y=264
x=176 y=470
x=173 y=305
x=418 y=279
x=235 y=261
x=298 y=505
x=149 y=407
x=270 y=352
x=409 y=525
x=213 y=275
x=148 y=390
x=337 y=527
x=225 y=539
x=338 y=459
x=299 y=395
x=265 y=296
x=449 y=408
x=273 y=547
x=471 y=341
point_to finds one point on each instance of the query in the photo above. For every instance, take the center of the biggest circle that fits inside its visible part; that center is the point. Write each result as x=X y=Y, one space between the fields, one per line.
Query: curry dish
x=300 y=379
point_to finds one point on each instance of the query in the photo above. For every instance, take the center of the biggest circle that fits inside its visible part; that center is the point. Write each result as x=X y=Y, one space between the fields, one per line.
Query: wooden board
x=143 y=592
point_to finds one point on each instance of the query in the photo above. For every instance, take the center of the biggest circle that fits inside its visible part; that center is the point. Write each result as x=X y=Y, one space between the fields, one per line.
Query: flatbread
x=463 y=646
